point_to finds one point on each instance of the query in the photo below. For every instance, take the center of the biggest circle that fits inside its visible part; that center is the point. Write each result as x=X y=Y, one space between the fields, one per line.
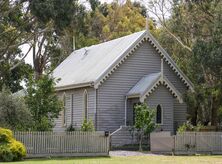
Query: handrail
x=116 y=130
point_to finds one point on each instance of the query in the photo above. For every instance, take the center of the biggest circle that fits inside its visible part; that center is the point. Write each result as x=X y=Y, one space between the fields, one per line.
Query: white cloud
x=28 y=58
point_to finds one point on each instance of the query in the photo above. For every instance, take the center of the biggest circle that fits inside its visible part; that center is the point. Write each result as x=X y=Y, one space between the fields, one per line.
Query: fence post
x=174 y=144
x=195 y=141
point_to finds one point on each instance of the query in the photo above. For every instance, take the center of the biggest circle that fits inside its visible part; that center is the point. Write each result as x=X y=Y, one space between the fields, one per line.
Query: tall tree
x=191 y=32
x=51 y=18
x=14 y=31
x=14 y=25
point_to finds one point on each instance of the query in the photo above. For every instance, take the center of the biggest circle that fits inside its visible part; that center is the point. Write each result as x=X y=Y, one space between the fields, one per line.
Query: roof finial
x=147 y=21
x=162 y=67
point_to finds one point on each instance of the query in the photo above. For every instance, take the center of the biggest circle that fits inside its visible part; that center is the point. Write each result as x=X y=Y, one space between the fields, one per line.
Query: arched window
x=64 y=110
x=85 y=106
x=159 y=115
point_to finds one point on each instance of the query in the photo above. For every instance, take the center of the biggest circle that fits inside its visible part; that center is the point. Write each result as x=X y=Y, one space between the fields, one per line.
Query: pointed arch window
x=85 y=105
x=64 y=110
x=159 y=114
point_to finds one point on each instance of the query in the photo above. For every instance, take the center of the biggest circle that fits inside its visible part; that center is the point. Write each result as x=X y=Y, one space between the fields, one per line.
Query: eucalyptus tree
x=191 y=32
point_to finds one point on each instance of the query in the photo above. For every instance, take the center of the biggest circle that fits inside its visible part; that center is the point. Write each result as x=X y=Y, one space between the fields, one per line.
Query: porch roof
x=147 y=84
x=143 y=85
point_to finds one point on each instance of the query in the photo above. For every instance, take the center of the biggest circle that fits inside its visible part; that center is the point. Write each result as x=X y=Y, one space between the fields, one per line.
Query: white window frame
x=161 y=115
x=85 y=106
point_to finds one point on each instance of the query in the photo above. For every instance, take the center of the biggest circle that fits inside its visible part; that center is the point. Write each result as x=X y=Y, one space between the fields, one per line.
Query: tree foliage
x=103 y=23
x=13 y=34
x=43 y=103
x=13 y=79
x=204 y=65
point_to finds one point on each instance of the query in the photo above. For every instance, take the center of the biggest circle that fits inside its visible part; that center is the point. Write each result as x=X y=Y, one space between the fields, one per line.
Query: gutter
x=81 y=85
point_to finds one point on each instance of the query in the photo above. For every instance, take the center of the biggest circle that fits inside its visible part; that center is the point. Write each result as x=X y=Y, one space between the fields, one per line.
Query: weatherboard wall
x=75 y=108
x=180 y=109
x=111 y=94
x=161 y=96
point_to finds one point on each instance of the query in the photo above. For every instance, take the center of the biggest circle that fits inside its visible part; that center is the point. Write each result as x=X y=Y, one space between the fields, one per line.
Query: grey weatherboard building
x=103 y=82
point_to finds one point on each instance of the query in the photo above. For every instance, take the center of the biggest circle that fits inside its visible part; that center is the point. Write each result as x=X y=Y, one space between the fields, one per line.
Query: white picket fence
x=40 y=144
x=187 y=142
x=199 y=142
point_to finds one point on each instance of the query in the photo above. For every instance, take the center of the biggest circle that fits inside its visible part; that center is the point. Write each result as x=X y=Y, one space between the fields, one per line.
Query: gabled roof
x=91 y=66
x=149 y=83
x=86 y=65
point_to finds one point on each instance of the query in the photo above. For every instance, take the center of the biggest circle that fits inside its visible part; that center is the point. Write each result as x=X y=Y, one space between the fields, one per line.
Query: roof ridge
x=109 y=40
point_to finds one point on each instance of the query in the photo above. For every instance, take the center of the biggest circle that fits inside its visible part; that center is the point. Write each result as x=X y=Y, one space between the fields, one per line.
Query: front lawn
x=152 y=159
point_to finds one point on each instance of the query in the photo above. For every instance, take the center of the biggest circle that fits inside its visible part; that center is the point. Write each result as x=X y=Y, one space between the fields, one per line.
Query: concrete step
x=127 y=139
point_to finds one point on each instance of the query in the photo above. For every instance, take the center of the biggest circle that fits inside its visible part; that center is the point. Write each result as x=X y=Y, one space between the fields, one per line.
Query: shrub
x=189 y=127
x=13 y=110
x=10 y=149
x=5 y=153
x=87 y=126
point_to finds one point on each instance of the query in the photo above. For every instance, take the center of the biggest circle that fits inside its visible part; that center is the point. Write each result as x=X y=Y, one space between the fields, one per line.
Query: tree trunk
x=140 y=141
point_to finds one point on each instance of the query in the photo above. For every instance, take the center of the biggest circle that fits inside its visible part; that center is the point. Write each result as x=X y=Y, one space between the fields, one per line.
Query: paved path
x=129 y=153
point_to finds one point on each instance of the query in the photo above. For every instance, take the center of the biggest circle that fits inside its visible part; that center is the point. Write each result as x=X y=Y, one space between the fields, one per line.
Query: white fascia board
x=66 y=87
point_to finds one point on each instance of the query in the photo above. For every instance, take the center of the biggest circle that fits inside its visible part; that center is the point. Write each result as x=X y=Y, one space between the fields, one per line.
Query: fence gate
x=40 y=144
x=209 y=142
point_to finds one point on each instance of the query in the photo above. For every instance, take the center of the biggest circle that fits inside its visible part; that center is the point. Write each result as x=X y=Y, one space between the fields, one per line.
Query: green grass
x=152 y=159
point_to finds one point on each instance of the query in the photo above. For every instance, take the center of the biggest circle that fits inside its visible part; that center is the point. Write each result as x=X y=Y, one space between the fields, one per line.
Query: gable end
x=114 y=66
x=145 y=37
x=170 y=62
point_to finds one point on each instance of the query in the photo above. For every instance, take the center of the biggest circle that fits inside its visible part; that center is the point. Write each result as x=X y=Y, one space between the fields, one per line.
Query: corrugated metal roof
x=144 y=84
x=87 y=64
